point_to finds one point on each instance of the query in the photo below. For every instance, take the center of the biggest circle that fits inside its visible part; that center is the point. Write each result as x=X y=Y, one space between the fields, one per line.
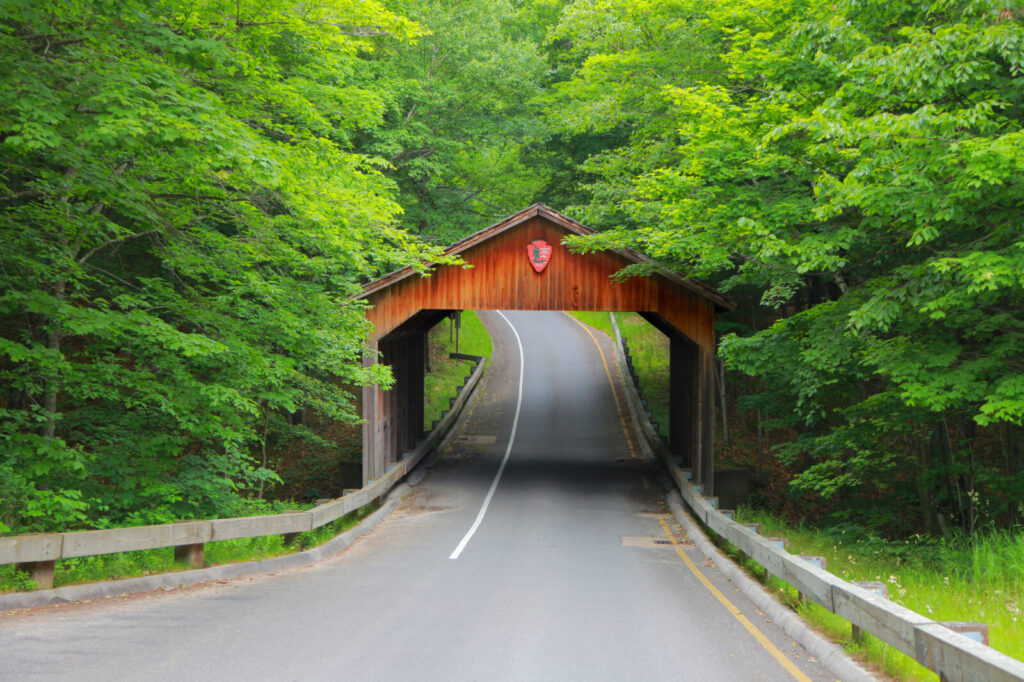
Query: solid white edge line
x=511 y=439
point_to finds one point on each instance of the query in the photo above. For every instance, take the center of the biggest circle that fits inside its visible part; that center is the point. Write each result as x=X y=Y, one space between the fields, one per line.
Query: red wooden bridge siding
x=405 y=304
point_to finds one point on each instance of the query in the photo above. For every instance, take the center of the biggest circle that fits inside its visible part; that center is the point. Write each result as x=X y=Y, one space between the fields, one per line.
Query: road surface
x=562 y=568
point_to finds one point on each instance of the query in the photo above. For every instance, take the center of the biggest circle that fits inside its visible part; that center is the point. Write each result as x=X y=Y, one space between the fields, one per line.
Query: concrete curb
x=73 y=593
x=831 y=655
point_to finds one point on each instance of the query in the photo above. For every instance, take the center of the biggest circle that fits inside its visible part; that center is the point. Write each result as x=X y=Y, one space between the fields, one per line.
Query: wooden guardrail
x=955 y=657
x=37 y=552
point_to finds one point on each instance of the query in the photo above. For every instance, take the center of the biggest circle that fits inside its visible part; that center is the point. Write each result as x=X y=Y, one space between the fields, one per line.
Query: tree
x=182 y=225
x=859 y=164
x=459 y=117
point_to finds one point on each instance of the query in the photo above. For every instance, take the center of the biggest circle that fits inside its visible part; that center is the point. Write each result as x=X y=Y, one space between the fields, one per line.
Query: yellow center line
x=731 y=608
x=615 y=394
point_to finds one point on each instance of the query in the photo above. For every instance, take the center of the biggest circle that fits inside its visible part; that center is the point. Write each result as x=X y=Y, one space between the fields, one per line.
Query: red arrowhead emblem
x=539 y=252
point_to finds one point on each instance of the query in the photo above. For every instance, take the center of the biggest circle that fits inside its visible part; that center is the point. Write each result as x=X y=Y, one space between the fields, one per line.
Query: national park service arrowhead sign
x=539 y=252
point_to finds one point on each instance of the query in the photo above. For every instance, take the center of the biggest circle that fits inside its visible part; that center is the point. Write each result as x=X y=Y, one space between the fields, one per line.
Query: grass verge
x=599 y=321
x=649 y=349
x=446 y=374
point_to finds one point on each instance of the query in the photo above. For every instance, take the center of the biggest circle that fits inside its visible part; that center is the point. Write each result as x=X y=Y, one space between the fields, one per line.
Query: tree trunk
x=263 y=445
x=720 y=375
x=760 y=443
x=52 y=383
x=924 y=493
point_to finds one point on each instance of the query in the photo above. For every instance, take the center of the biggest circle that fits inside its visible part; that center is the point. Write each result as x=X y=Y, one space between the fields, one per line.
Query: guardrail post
x=814 y=560
x=41 y=572
x=781 y=543
x=292 y=538
x=194 y=555
x=877 y=588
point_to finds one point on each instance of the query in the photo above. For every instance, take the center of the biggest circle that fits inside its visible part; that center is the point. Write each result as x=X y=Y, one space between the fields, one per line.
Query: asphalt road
x=570 y=574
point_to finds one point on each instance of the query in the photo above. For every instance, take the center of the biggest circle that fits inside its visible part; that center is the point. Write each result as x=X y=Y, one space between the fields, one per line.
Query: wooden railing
x=953 y=656
x=37 y=552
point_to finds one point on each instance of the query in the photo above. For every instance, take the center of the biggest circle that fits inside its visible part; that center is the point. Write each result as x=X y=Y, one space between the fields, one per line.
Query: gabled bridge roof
x=500 y=277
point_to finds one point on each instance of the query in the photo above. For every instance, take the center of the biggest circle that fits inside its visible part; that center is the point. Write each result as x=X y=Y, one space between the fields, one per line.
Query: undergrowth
x=979 y=579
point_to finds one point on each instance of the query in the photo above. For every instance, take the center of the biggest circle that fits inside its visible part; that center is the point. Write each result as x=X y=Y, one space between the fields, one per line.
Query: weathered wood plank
x=90 y=542
x=256 y=526
x=30 y=547
x=960 y=659
x=328 y=512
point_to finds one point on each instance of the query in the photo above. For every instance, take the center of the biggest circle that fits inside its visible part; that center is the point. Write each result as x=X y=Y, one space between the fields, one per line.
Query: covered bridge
x=521 y=264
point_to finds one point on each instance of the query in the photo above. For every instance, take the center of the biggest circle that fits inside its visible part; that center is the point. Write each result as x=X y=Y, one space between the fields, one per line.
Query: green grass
x=649 y=349
x=980 y=581
x=446 y=375
x=600 y=321
x=90 y=569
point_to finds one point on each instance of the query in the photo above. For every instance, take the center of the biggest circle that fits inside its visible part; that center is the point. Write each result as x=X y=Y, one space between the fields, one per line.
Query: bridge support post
x=682 y=440
x=706 y=420
x=394 y=418
x=373 y=464
x=692 y=409
x=407 y=357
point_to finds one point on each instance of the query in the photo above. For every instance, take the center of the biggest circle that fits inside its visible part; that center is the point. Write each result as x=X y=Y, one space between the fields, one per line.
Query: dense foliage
x=858 y=165
x=183 y=219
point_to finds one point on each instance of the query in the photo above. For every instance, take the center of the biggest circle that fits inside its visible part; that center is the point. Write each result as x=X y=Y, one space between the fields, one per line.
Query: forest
x=191 y=191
